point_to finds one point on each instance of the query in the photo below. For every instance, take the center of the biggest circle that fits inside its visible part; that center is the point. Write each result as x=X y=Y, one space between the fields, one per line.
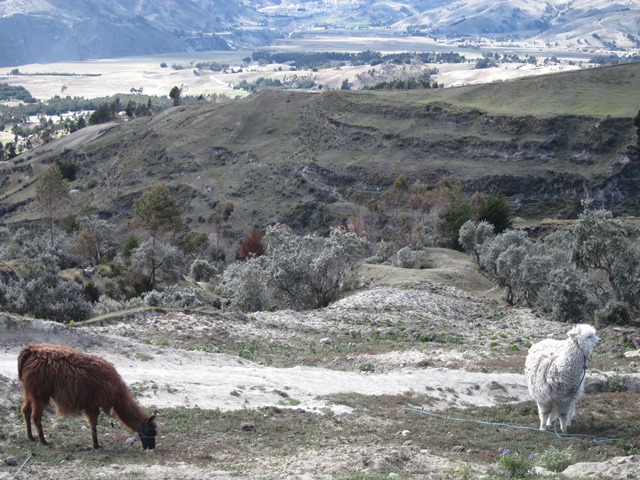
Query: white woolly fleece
x=555 y=371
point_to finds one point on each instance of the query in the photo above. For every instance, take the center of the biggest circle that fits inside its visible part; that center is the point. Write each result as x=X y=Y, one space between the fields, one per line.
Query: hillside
x=47 y=31
x=303 y=158
x=580 y=24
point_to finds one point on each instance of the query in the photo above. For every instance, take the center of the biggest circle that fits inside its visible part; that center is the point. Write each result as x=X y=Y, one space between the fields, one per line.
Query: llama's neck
x=586 y=351
x=130 y=413
x=580 y=350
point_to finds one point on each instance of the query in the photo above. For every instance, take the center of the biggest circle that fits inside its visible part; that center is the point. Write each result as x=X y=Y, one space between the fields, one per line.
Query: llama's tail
x=24 y=355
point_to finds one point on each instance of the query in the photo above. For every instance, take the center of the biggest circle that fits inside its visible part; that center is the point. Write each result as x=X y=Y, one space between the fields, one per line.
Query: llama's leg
x=92 y=418
x=567 y=416
x=26 y=413
x=544 y=417
x=36 y=414
x=564 y=422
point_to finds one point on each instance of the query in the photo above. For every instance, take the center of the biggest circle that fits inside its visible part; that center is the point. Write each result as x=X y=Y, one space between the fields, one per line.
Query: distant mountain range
x=42 y=31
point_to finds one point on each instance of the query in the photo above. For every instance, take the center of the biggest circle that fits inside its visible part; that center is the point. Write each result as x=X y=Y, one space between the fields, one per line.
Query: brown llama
x=78 y=383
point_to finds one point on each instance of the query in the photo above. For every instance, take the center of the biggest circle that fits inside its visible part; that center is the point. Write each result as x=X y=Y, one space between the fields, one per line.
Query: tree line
x=311 y=60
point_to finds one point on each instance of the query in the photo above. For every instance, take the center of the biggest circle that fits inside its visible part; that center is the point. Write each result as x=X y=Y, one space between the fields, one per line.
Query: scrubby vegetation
x=288 y=81
x=298 y=272
x=589 y=271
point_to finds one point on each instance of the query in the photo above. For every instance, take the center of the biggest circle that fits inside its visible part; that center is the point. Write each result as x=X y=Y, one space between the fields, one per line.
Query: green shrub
x=514 y=466
x=408 y=258
x=130 y=244
x=496 y=211
x=367 y=367
x=91 y=291
x=202 y=271
x=614 y=313
x=556 y=460
x=56 y=300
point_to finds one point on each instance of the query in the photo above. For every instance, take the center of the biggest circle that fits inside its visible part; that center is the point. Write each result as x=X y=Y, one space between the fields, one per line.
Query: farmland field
x=99 y=78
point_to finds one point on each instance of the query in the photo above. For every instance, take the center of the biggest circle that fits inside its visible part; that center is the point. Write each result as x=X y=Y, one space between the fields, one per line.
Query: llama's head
x=585 y=336
x=148 y=432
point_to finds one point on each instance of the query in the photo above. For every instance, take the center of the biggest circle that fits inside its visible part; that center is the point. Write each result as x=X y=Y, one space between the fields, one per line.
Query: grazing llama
x=78 y=383
x=555 y=372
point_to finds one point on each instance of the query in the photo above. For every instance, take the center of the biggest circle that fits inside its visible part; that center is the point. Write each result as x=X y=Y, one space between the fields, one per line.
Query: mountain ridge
x=43 y=31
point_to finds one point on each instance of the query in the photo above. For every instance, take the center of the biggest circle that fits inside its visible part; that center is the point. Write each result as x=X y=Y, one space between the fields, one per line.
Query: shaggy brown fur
x=77 y=383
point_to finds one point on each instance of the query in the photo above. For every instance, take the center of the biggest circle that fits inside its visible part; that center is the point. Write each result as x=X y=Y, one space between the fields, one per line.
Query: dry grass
x=370 y=439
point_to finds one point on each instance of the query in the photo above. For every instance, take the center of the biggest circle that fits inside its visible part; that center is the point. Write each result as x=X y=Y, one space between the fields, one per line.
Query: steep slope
x=576 y=24
x=482 y=17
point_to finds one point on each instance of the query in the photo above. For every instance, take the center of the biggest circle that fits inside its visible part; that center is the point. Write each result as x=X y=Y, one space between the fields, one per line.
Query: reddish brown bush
x=252 y=245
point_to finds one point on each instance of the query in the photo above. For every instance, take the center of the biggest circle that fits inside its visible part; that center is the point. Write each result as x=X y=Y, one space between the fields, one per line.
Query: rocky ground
x=428 y=346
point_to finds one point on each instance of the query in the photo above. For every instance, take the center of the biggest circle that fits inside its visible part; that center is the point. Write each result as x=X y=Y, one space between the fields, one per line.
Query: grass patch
x=144 y=357
x=283 y=435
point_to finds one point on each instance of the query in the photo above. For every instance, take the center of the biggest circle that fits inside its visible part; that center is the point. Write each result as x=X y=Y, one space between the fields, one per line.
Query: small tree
x=157 y=211
x=566 y=296
x=86 y=246
x=457 y=211
x=51 y=191
x=156 y=259
x=491 y=250
x=202 y=271
x=473 y=235
x=509 y=269
x=176 y=95
x=99 y=231
x=309 y=271
x=245 y=285
x=602 y=244
x=496 y=211
x=129 y=245
x=535 y=273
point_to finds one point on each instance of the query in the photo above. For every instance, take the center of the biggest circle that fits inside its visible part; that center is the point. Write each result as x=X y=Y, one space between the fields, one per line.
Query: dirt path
x=167 y=377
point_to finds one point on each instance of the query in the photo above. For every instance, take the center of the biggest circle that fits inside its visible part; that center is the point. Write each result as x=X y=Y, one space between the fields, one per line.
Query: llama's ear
x=573 y=333
x=152 y=417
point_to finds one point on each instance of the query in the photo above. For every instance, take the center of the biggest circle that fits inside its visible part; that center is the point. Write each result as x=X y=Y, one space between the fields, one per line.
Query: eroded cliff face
x=545 y=165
